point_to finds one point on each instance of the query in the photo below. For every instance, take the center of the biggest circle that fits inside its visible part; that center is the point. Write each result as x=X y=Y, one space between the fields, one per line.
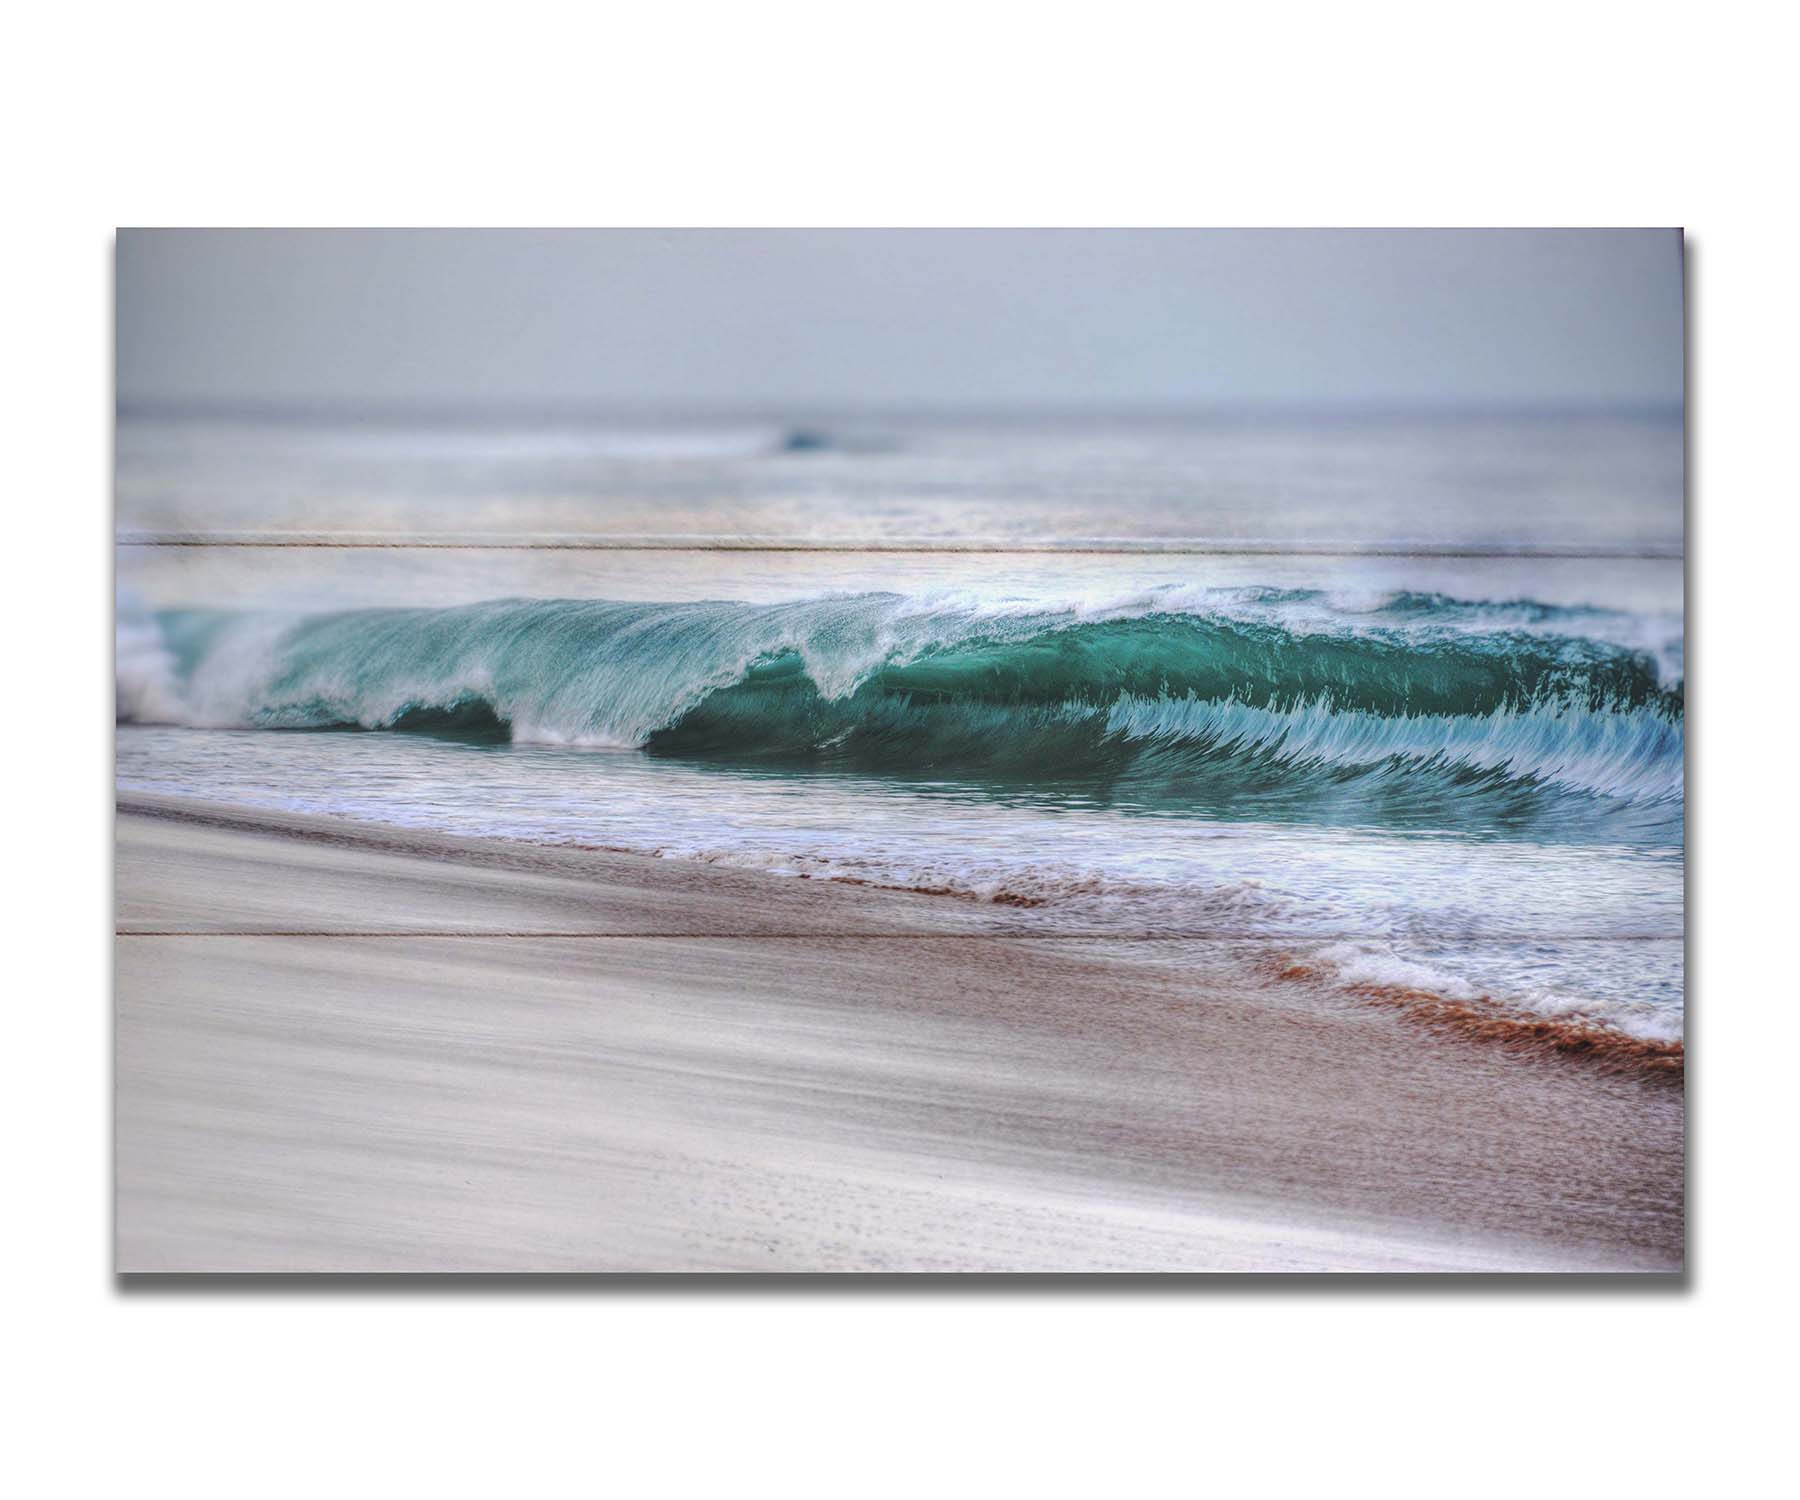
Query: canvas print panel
x=1232 y=820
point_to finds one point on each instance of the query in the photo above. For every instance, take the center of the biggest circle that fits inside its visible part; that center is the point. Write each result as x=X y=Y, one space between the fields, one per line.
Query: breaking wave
x=1268 y=696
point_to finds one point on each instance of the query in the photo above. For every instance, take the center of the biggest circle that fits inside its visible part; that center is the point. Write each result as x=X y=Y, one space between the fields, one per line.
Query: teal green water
x=1411 y=709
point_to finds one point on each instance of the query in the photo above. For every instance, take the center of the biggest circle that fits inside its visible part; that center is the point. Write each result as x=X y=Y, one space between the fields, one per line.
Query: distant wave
x=1270 y=694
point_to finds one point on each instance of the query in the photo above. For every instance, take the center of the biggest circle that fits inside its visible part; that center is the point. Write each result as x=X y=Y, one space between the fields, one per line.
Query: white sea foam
x=1612 y=985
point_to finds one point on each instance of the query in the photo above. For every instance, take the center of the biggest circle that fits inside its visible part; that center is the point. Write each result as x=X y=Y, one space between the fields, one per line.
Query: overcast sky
x=810 y=319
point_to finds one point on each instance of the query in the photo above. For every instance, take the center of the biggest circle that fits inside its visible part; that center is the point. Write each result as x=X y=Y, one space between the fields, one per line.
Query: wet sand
x=351 y=1048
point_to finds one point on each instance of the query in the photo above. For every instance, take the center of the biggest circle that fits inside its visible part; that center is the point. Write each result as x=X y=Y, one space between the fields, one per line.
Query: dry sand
x=350 y=1048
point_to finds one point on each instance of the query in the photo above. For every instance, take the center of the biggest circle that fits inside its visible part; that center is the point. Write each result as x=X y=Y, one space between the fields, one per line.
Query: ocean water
x=1406 y=692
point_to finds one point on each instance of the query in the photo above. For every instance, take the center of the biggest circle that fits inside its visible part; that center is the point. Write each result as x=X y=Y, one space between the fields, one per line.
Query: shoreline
x=352 y=1047
x=1575 y=1038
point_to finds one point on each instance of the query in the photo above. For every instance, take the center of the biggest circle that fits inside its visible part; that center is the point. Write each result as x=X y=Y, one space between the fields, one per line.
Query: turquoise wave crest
x=1397 y=702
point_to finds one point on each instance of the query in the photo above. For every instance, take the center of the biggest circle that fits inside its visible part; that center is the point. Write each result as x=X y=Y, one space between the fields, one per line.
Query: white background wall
x=1130 y=113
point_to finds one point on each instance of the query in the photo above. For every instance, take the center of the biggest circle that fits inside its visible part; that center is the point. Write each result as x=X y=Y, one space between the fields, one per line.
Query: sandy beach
x=345 y=1047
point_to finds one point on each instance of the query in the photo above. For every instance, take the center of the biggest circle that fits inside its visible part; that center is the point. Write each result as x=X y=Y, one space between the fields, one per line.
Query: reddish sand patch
x=1488 y=1021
